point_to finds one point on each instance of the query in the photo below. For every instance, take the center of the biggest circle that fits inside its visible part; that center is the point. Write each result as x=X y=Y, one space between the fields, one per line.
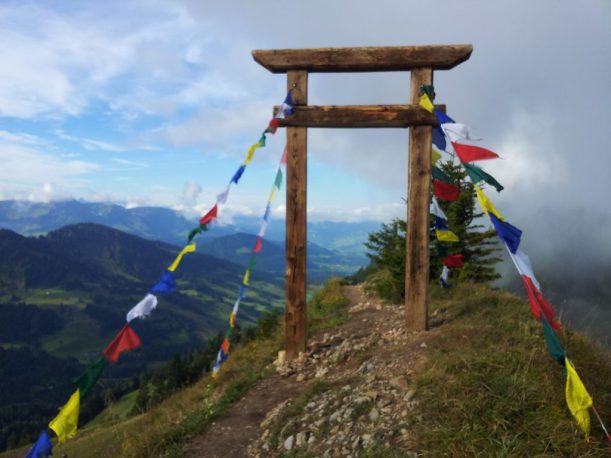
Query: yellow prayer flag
x=187 y=249
x=272 y=195
x=251 y=153
x=246 y=278
x=446 y=236
x=66 y=422
x=577 y=398
x=426 y=103
x=486 y=205
x=435 y=156
x=232 y=320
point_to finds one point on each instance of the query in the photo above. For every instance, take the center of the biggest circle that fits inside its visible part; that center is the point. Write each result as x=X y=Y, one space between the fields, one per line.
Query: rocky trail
x=350 y=392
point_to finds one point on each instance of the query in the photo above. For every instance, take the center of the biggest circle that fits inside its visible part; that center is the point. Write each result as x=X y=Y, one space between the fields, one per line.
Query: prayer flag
x=246 y=279
x=278 y=182
x=273 y=126
x=268 y=210
x=470 y=153
x=522 y=263
x=435 y=156
x=476 y=174
x=143 y=308
x=486 y=205
x=429 y=90
x=271 y=195
x=258 y=245
x=509 y=234
x=42 y=448
x=444 y=277
x=439 y=139
x=445 y=191
x=440 y=175
x=222 y=197
x=251 y=153
x=225 y=346
x=442 y=250
x=166 y=284
x=232 y=320
x=454 y=260
x=442 y=117
x=284 y=154
x=456 y=131
x=286 y=108
x=236 y=177
x=252 y=262
x=198 y=230
x=441 y=224
x=187 y=249
x=538 y=304
x=426 y=103
x=446 y=236
x=577 y=398
x=88 y=379
x=66 y=422
x=262 y=229
x=436 y=209
x=242 y=292
x=210 y=216
x=126 y=340
x=554 y=346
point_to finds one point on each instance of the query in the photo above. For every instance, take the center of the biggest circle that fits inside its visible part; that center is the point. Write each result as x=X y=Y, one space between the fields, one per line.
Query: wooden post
x=418 y=202
x=296 y=223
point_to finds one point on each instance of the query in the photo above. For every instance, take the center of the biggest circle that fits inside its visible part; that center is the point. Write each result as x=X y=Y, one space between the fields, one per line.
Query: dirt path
x=363 y=395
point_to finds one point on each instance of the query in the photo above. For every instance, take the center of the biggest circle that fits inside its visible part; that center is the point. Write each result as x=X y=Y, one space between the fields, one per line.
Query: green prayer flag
x=252 y=263
x=440 y=175
x=87 y=379
x=478 y=175
x=429 y=90
x=262 y=140
x=197 y=230
x=554 y=346
x=442 y=250
x=229 y=333
x=278 y=182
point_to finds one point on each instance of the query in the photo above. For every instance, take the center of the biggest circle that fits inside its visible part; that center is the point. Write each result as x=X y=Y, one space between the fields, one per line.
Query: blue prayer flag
x=166 y=284
x=442 y=117
x=42 y=448
x=439 y=139
x=509 y=234
x=242 y=291
x=441 y=224
x=238 y=174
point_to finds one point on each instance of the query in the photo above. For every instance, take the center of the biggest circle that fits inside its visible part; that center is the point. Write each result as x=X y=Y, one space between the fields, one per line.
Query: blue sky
x=156 y=103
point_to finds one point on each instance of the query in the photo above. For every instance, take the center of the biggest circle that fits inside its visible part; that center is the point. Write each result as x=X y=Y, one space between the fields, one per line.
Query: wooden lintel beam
x=344 y=116
x=367 y=59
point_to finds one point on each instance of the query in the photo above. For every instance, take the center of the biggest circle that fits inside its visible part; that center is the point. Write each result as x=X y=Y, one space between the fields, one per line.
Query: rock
x=398 y=383
x=335 y=416
x=423 y=345
x=288 y=443
x=409 y=395
x=366 y=438
x=281 y=358
x=301 y=377
x=321 y=372
x=355 y=442
x=311 y=439
x=300 y=439
x=361 y=400
x=374 y=414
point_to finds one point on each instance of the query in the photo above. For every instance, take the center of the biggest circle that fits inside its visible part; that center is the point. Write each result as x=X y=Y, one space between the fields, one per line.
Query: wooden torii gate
x=297 y=63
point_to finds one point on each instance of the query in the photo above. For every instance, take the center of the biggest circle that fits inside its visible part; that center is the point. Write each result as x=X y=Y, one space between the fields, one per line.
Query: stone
x=300 y=439
x=335 y=416
x=311 y=439
x=409 y=395
x=281 y=358
x=374 y=414
x=288 y=443
x=398 y=383
x=301 y=377
x=423 y=345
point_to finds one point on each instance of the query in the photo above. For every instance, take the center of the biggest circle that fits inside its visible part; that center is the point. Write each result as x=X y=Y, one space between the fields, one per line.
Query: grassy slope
x=488 y=387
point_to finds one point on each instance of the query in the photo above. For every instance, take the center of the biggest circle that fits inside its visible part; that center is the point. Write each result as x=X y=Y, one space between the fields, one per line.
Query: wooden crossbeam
x=367 y=59
x=360 y=116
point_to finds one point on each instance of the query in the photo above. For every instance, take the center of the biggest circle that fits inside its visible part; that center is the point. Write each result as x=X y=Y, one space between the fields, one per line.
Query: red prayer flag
x=208 y=217
x=538 y=303
x=258 y=245
x=273 y=125
x=284 y=153
x=445 y=191
x=126 y=340
x=470 y=153
x=454 y=260
x=225 y=346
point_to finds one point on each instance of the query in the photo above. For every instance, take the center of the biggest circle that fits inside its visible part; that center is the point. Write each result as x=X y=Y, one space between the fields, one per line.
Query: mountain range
x=64 y=296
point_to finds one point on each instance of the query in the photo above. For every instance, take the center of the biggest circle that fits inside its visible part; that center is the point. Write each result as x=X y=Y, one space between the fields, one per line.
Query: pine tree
x=477 y=245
